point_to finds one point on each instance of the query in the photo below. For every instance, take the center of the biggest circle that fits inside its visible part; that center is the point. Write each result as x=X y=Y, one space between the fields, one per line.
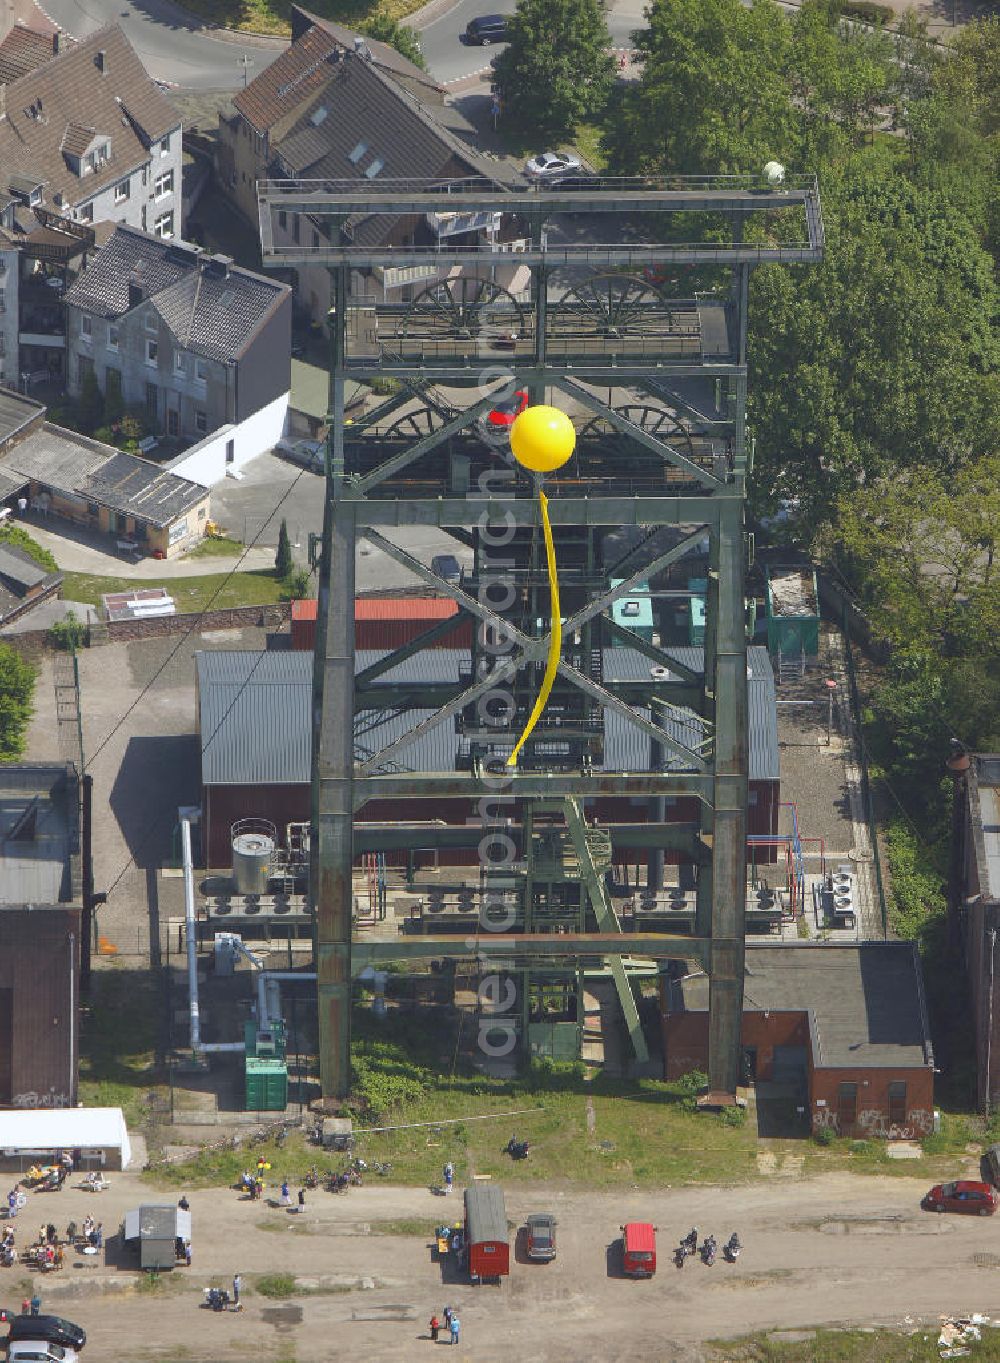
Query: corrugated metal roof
x=387 y=608
x=255 y=711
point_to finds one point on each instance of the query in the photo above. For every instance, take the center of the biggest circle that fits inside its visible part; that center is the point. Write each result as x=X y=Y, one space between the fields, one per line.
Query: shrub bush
x=825 y=1136
x=868 y=12
x=70 y=633
x=733 y=1116
x=19 y=538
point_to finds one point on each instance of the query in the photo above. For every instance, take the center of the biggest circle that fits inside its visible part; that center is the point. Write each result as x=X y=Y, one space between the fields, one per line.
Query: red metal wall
x=223 y=805
x=386 y=622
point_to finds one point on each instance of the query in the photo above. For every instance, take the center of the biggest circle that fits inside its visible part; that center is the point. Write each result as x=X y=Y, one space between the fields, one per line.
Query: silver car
x=550 y=165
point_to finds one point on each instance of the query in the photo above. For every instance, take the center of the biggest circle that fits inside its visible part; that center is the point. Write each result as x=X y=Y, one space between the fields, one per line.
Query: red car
x=505 y=412
x=978 y=1199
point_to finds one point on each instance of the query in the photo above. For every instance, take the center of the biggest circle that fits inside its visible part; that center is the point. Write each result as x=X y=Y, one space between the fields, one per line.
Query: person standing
x=286 y=1199
x=447 y=1317
x=302 y=1200
x=36 y=1305
x=187 y=1253
x=454 y=1325
x=237 y=1284
x=12 y=1202
x=435 y=1329
x=25 y=1306
x=449 y=1176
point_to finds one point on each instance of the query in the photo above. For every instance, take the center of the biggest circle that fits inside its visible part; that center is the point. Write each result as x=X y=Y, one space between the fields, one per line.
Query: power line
x=194 y=629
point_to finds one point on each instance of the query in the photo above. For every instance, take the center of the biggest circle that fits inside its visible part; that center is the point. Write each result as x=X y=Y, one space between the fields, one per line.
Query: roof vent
x=318 y=115
x=361 y=48
x=101 y=62
x=136 y=292
x=218 y=266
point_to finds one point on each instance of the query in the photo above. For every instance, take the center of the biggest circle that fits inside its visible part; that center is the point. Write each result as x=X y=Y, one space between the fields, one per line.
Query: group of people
x=451 y=1324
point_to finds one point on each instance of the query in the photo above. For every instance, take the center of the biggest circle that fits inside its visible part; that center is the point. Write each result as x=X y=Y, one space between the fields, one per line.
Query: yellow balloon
x=542 y=438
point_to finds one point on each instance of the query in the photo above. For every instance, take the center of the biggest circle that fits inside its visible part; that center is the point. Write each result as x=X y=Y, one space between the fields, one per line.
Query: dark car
x=490 y=28
x=51 y=1328
x=446 y=566
x=977 y=1199
x=541 y=1237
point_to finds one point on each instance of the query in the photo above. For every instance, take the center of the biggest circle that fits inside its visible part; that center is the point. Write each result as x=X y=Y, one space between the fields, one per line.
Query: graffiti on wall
x=32 y=1099
x=876 y=1124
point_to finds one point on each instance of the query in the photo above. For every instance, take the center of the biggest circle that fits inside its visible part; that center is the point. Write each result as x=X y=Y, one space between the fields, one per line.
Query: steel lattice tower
x=656 y=383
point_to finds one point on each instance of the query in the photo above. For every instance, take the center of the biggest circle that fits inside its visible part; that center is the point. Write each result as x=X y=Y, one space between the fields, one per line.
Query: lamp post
x=831 y=687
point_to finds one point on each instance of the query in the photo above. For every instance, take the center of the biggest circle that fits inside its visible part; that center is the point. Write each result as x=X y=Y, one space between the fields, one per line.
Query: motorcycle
x=359 y=1165
x=731 y=1249
x=338 y=1183
x=383 y=1170
x=216 y=1299
x=708 y=1251
x=687 y=1247
x=516 y=1149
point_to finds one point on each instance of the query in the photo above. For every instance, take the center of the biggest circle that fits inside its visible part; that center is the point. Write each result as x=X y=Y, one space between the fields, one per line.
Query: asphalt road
x=449 y=59
x=174 y=49
x=168 y=40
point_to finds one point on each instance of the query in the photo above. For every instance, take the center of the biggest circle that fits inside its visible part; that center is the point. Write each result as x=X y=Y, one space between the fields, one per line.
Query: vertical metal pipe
x=190 y=932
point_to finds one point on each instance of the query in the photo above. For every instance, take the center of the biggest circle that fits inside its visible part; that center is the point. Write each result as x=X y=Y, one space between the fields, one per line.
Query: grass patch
x=273 y=16
x=118 y=1039
x=846 y=1346
x=218 y=546
x=588 y=144
x=405 y=1226
x=278 y=1286
x=215 y=591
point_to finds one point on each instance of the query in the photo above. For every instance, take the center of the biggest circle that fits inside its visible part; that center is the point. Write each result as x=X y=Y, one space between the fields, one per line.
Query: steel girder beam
x=375 y=837
x=607 y=921
x=533 y=785
x=553 y=948
x=600 y=512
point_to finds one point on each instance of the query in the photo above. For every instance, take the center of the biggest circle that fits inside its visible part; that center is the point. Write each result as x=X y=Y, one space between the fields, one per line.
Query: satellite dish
x=775 y=173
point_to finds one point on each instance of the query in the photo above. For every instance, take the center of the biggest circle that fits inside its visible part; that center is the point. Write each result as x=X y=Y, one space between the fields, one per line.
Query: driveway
x=835 y=1249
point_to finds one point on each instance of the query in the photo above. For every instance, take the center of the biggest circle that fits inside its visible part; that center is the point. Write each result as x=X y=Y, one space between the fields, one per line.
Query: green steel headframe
x=656 y=383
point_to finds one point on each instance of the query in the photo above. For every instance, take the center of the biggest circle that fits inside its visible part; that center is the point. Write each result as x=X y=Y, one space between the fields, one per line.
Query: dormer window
x=99 y=155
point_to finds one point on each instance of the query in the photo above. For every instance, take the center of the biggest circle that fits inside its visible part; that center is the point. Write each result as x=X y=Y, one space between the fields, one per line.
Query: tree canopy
x=557 y=68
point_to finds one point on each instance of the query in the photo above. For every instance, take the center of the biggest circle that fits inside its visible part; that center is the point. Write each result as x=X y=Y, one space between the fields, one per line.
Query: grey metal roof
x=39 y=833
x=989 y=809
x=15 y=412
x=69 y=463
x=212 y=313
x=20 y=568
x=865 y=999
x=157 y=1222
x=256 y=715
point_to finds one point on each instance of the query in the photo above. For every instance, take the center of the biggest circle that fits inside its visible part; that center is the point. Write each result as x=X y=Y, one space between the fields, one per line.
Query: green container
x=266 y=1085
x=792 y=612
x=555 y=1040
x=696 y=611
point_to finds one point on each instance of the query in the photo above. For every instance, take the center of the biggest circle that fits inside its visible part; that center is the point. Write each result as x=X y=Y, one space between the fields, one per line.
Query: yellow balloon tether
x=555 y=640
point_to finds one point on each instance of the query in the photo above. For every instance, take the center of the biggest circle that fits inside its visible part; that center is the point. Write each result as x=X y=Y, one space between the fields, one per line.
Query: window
x=201 y=422
x=152 y=400
x=315 y=238
x=86 y=213
x=152 y=353
x=163 y=226
x=112 y=336
x=99 y=156
x=202 y=513
x=230 y=451
x=3 y=300
x=295 y=228
x=173 y=421
x=177 y=531
x=86 y=327
x=122 y=191
x=180 y=362
x=165 y=146
x=897 y=1103
x=201 y=370
x=84 y=366
x=163 y=185
x=112 y=380
x=283 y=220
x=847 y=1107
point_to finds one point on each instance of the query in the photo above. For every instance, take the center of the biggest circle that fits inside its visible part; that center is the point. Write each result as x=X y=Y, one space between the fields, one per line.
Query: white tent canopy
x=64 y=1128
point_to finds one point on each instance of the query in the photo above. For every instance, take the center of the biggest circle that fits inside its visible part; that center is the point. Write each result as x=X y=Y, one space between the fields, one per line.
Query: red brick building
x=843 y=1027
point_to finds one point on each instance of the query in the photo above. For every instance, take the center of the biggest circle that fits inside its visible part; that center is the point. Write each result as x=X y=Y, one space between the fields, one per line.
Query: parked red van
x=639 y=1249
x=486 y=1233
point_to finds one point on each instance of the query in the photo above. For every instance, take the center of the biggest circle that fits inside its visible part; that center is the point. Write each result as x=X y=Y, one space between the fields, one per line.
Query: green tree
x=386 y=30
x=17 y=683
x=283 y=556
x=557 y=68
x=881 y=358
x=842 y=78
x=90 y=404
x=714 y=93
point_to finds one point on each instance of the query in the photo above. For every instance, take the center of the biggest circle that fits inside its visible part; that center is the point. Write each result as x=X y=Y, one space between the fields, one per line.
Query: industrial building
x=974 y=904
x=843 y=1027
x=254 y=719
x=40 y=935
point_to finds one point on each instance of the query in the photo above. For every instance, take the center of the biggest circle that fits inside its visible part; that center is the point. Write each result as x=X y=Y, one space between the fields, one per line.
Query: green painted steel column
x=333 y=740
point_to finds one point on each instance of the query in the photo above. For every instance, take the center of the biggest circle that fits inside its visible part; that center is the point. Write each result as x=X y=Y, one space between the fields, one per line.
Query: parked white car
x=552 y=164
x=41 y=1351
